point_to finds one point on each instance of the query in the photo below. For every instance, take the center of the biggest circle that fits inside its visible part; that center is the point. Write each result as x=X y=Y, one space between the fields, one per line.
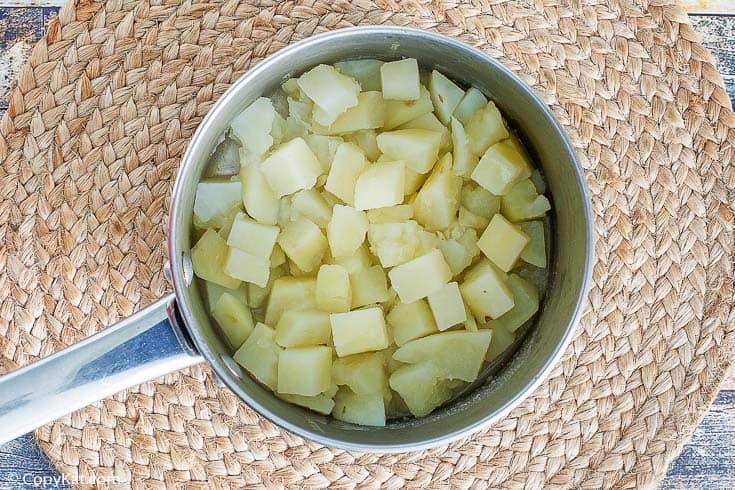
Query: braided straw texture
x=90 y=146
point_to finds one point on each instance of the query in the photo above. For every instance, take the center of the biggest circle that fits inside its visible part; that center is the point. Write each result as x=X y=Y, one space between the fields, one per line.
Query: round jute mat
x=90 y=147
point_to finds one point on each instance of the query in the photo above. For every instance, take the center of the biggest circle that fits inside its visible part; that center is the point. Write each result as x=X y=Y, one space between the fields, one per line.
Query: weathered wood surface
x=707 y=462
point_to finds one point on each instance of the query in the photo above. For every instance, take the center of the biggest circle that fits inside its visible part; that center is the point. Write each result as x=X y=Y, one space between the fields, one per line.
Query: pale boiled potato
x=437 y=202
x=522 y=203
x=391 y=364
x=369 y=286
x=430 y=122
x=526 y=304
x=464 y=160
x=447 y=306
x=324 y=148
x=398 y=112
x=256 y=294
x=501 y=340
x=349 y=162
x=333 y=290
x=305 y=371
x=502 y=242
x=535 y=251
x=277 y=256
x=234 y=318
x=247 y=267
x=409 y=321
x=304 y=243
x=390 y=214
x=252 y=127
x=291 y=88
x=428 y=241
x=471 y=323
x=420 y=277
x=485 y=291
x=364 y=374
x=456 y=355
x=298 y=122
x=290 y=293
x=319 y=403
x=413 y=182
x=257 y=196
x=213 y=292
x=369 y=113
x=445 y=95
x=479 y=201
x=473 y=101
x=418 y=386
x=355 y=262
x=366 y=139
x=417 y=148
x=485 y=128
x=456 y=255
x=394 y=243
x=380 y=185
x=259 y=355
x=252 y=237
x=400 y=79
x=216 y=200
x=469 y=219
x=346 y=230
x=366 y=72
x=291 y=167
x=208 y=258
x=330 y=90
x=312 y=205
x=359 y=331
x=538 y=181
x=303 y=328
x=359 y=409
x=500 y=168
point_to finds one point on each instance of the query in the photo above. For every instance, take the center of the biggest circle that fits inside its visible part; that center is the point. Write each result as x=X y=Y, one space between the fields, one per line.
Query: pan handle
x=136 y=349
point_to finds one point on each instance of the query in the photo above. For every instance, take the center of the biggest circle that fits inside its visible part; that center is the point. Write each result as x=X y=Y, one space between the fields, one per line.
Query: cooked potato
x=369 y=113
x=305 y=371
x=409 y=321
x=418 y=386
x=208 y=258
x=485 y=291
x=485 y=128
x=445 y=95
x=303 y=242
x=380 y=186
x=324 y=148
x=501 y=340
x=394 y=243
x=502 y=242
x=346 y=231
x=366 y=72
x=312 y=205
x=319 y=403
x=290 y=293
x=290 y=168
x=333 y=290
x=420 y=277
x=259 y=355
x=526 y=303
x=349 y=162
x=369 y=286
x=400 y=79
x=500 y=168
x=303 y=328
x=535 y=251
x=472 y=102
x=468 y=219
x=252 y=237
x=398 y=112
x=215 y=201
x=430 y=122
x=359 y=331
x=437 y=202
x=331 y=91
x=522 y=203
x=252 y=127
x=356 y=262
x=364 y=374
x=367 y=141
x=417 y=148
x=359 y=409
x=247 y=267
x=479 y=201
x=390 y=214
x=234 y=318
x=464 y=160
x=447 y=306
x=260 y=202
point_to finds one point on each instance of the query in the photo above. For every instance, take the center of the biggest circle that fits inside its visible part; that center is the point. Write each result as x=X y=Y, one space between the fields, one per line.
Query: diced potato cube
x=437 y=202
x=234 y=318
x=526 y=303
x=470 y=220
x=277 y=256
x=418 y=385
x=398 y=112
x=391 y=214
x=445 y=95
x=346 y=231
x=464 y=160
x=367 y=141
x=213 y=292
x=369 y=286
x=485 y=128
x=330 y=90
x=538 y=181
x=366 y=72
x=298 y=122
x=409 y=321
x=303 y=242
x=333 y=290
x=472 y=102
x=447 y=306
x=394 y=243
x=500 y=168
x=471 y=323
x=215 y=201
x=252 y=237
x=252 y=127
x=502 y=340
x=380 y=185
x=420 y=277
x=349 y=162
x=400 y=79
x=417 y=148
x=247 y=267
x=291 y=87
x=413 y=181
x=364 y=374
x=485 y=291
x=359 y=409
x=256 y=294
x=427 y=242
x=303 y=328
x=324 y=148
x=456 y=255
x=290 y=293
x=305 y=371
x=479 y=201
x=369 y=113
x=457 y=355
x=359 y=331
x=208 y=258
x=535 y=251
x=291 y=167
x=502 y=242
x=258 y=197
x=319 y=403
x=259 y=355
x=310 y=204
x=430 y=122
x=522 y=203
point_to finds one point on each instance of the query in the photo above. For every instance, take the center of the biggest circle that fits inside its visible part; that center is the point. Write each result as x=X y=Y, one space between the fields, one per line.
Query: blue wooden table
x=707 y=462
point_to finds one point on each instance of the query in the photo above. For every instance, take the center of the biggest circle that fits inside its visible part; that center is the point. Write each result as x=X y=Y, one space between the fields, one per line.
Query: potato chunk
x=252 y=127
x=319 y=403
x=369 y=113
x=398 y=112
x=291 y=167
x=303 y=242
x=259 y=355
x=447 y=306
x=330 y=90
x=500 y=168
x=369 y=286
x=303 y=328
x=445 y=95
x=485 y=291
x=502 y=242
x=359 y=331
x=479 y=201
x=420 y=277
x=485 y=128
x=234 y=318
x=417 y=148
x=258 y=197
x=290 y=293
x=356 y=262
x=468 y=219
x=367 y=140
x=324 y=148
x=366 y=72
x=252 y=237
x=522 y=203
x=535 y=251
x=409 y=321
x=208 y=257
x=305 y=371
x=247 y=267
x=346 y=231
x=472 y=102
x=364 y=374
x=333 y=290
x=215 y=201
x=310 y=204
x=525 y=305
x=456 y=355
x=429 y=122
x=359 y=409
x=380 y=185
x=437 y=202
x=400 y=79
x=464 y=160
x=391 y=214
x=394 y=243
x=349 y=162
x=418 y=386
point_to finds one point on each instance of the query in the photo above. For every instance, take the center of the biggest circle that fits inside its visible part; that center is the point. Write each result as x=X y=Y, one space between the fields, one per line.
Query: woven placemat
x=91 y=143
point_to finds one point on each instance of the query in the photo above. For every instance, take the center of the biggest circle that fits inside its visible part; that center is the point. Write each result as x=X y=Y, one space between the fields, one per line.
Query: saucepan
x=176 y=331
